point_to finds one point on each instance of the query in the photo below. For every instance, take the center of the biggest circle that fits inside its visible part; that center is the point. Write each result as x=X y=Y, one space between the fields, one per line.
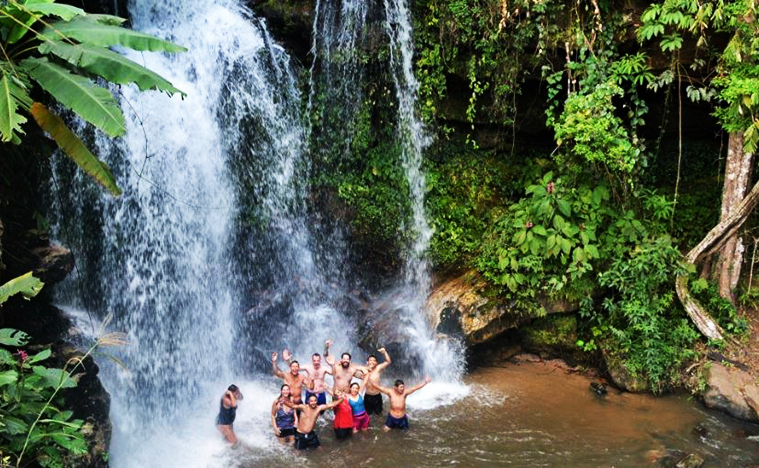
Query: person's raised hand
x=382 y=350
x=328 y=343
x=286 y=354
x=273 y=357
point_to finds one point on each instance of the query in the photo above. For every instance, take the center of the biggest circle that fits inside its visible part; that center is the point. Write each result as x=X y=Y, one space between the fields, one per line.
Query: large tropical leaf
x=93 y=103
x=13 y=337
x=18 y=21
x=27 y=285
x=74 y=148
x=12 y=94
x=110 y=65
x=54 y=377
x=99 y=30
x=44 y=8
x=8 y=377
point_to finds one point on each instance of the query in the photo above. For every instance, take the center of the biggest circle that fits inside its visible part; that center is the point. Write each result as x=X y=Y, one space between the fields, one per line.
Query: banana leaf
x=12 y=94
x=74 y=147
x=99 y=30
x=27 y=285
x=108 y=64
x=93 y=103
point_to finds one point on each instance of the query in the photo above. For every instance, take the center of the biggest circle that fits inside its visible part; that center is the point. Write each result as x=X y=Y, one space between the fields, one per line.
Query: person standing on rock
x=293 y=378
x=373 y=397
x=316 y=372
x=228 y=412
x=344 y=372
x=305 y=436
x=397 y=418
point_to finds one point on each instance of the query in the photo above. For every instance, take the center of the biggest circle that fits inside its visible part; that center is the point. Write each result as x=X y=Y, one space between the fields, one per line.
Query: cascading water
x=163 y=254
x=442 y=358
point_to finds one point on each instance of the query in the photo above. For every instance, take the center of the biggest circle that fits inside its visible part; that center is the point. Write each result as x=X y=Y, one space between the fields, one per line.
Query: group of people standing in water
x=293 y=417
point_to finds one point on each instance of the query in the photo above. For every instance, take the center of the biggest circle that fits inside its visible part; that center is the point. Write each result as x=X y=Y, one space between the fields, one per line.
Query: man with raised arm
x=293 y=378
x=305 y=436
x=344 y=372
x=373 y=397
x=397 y=419
x=316 y=371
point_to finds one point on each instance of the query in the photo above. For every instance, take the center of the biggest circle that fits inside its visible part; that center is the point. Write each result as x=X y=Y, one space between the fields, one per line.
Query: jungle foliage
x=63 y=50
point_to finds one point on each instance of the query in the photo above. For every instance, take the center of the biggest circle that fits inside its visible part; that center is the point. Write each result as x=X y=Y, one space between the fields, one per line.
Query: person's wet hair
x=283 y=387
x=346 y=354
x=356 y=384
x=233 y=388
x=399 y=382
x=312 y=396
x=316 y=355
x=372 y=356
x=294 y=362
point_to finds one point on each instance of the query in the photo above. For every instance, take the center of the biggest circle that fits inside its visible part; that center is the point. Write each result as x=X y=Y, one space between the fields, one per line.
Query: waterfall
x=442 y=358
x=162 y=258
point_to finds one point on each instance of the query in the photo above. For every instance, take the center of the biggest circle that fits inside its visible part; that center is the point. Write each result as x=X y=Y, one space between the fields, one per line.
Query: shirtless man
x=373 y=397
x=397 y=419
x=294 y=378
x=344 y=372
x=305 y=436
x=316 y=372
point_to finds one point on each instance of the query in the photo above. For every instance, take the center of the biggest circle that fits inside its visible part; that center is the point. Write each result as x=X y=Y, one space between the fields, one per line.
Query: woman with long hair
x=284 y=418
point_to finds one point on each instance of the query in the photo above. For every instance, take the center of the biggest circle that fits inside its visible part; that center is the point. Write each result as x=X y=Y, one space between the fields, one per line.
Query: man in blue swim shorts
x=397 y=418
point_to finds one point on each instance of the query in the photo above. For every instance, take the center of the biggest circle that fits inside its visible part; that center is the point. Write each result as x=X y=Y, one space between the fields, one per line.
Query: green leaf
x=94 y=104
x=565 y=208
x=8 y=377
x=26 y=285
x=54 y=377
x=63 y=423
x=12 y=94
x=65 y=12
x=540 y=230
x=112 y=66
x=20 y=24
x=74 y=148
x=6 y=357
x=519 y=237
x=565 y=245
x=41 y=356
x=100 y=30
x=592 y=251
x=14 y=426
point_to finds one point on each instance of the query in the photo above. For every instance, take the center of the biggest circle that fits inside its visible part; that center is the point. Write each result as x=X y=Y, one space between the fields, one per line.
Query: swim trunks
x=321 y=398
x=361 y=421
x=373 y=403
x=397 y=423
x=306 y=441
x=286 y=432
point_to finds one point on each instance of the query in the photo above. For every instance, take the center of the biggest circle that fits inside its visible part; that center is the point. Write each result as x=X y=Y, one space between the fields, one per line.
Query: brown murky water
x=534 y=415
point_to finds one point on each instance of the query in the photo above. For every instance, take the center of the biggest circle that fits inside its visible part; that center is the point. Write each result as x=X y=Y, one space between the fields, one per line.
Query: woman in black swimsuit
x=283 y=418
x=227 y=413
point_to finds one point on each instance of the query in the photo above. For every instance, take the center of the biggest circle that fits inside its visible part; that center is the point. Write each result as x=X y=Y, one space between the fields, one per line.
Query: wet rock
x=599 y=389
x=700 y=430
x=459 y=306
x=690 y=461
x=664 y=457
x=525 y=357
x=53 y=264
x=622 y=378
x=732 y=391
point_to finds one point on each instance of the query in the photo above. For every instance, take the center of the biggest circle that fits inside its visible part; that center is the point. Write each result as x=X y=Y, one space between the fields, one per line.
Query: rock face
x=458 y=307
x=732 y=391
x=622 y=378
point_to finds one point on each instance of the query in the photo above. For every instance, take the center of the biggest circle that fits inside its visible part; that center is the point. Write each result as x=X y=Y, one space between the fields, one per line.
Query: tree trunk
x=737 y=177
x=714 y=240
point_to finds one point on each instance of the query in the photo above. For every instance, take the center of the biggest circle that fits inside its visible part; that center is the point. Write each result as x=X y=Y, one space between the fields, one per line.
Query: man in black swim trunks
x=373 y=397
x=397 y=419
x=228 y=412
x=305 y=436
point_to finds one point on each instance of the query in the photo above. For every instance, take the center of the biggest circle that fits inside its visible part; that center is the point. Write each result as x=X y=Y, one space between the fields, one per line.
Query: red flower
x=550 y=187
x=22 y=355
x=529 y=224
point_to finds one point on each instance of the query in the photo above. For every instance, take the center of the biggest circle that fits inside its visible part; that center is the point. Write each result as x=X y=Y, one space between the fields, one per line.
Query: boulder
x=621 y=377
x=458 y=306
x=732 y=391
x=53 y=263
